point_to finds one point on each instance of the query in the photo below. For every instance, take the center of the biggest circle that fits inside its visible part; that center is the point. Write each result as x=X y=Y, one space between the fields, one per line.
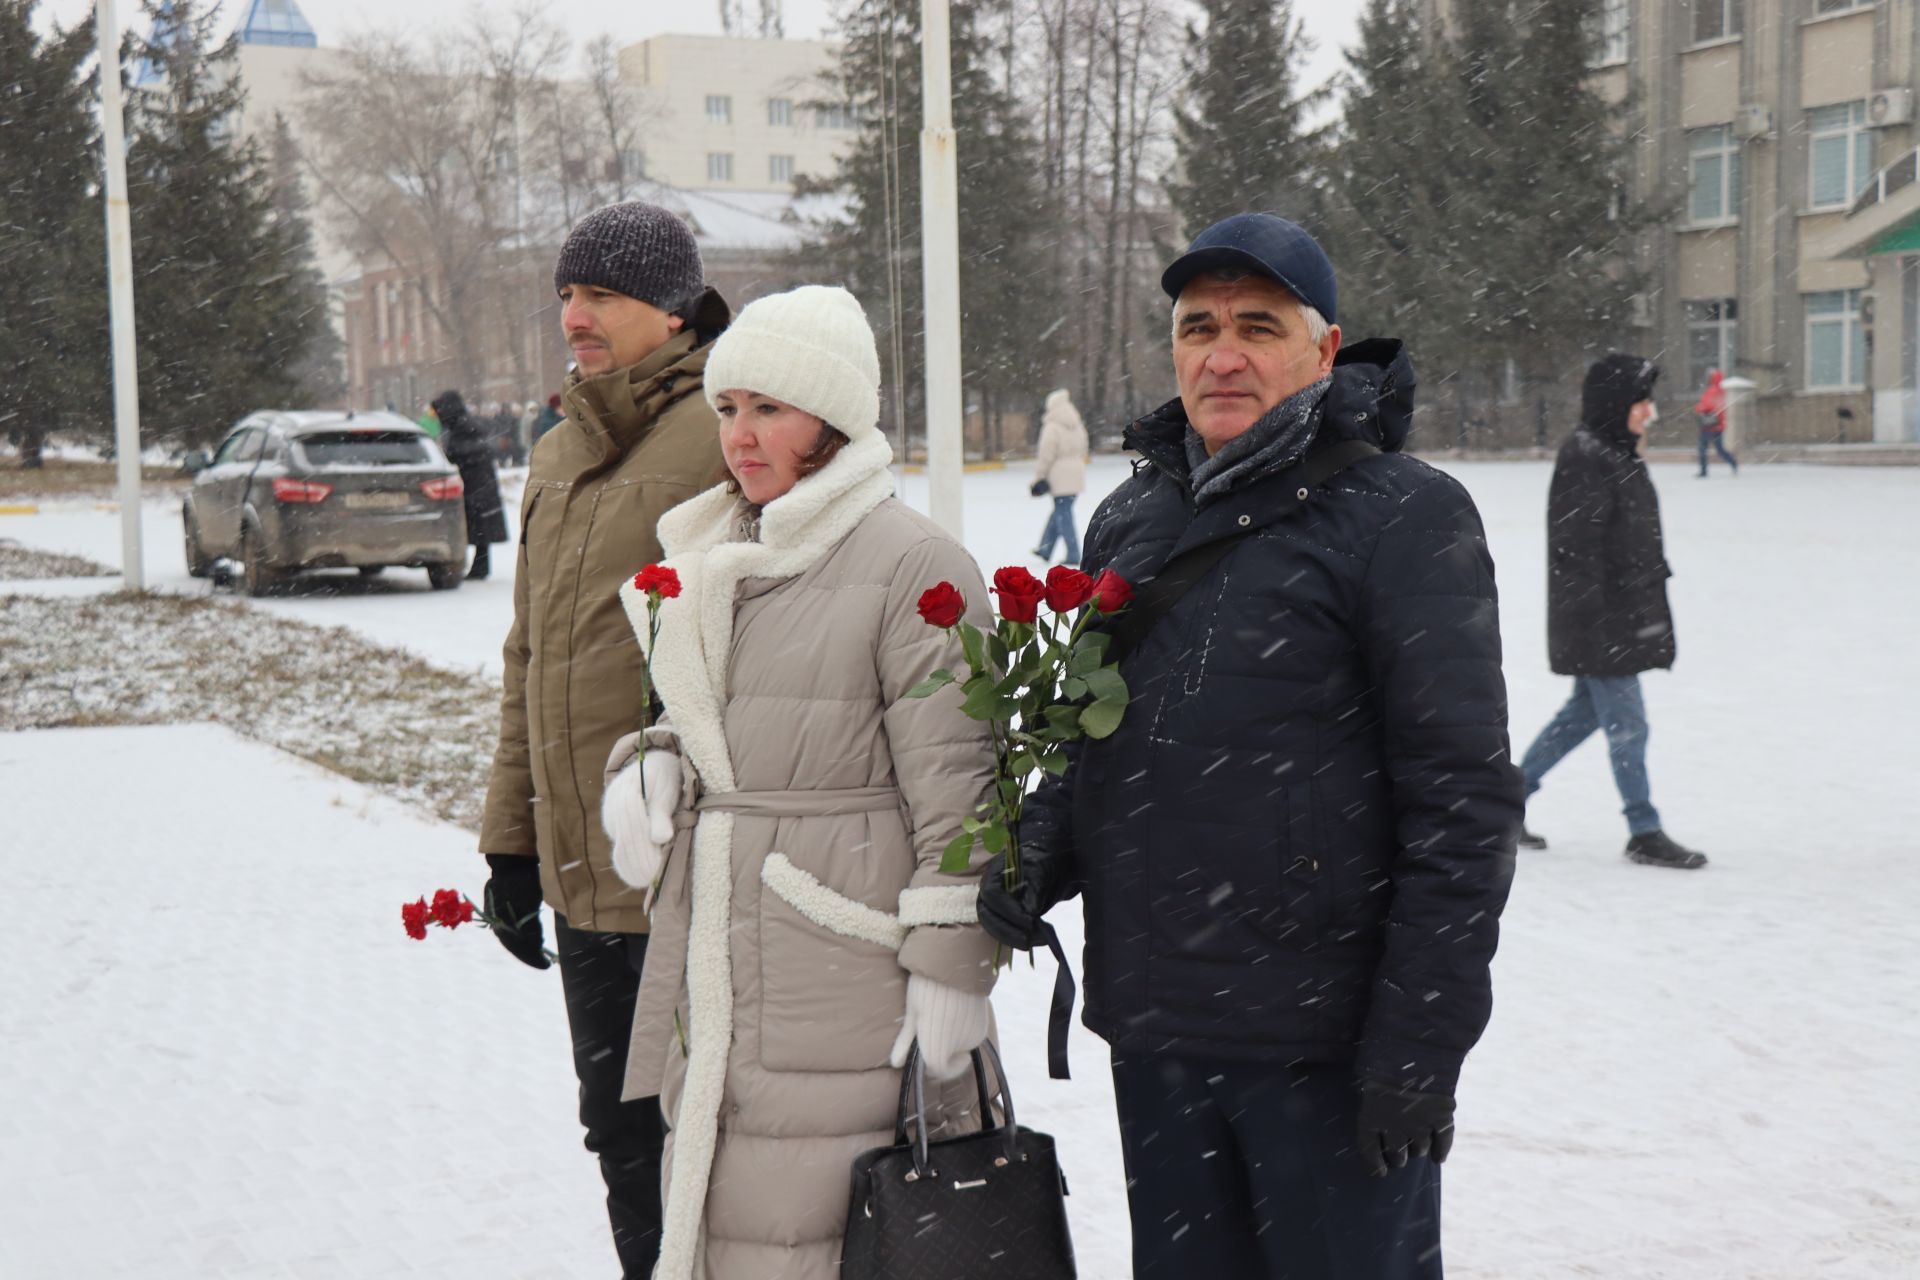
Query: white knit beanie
x=811 y=348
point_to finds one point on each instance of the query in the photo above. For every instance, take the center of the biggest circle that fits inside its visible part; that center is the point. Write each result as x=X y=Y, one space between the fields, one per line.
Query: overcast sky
x=1330 y=24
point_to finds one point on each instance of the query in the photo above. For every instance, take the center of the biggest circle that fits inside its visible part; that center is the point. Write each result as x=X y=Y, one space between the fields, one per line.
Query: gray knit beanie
x=637 y=249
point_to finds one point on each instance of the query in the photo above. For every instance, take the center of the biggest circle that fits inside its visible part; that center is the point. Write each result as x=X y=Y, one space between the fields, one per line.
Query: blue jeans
x=1612 y=703
x=1716 y=440
x=1060 y=526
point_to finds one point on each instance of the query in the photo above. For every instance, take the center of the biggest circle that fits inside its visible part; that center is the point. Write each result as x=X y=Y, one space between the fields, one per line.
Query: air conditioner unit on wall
x=1755 y=120
x=1890 y=107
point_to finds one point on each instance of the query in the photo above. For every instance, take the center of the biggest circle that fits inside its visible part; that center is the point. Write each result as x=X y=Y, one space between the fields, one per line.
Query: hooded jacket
x=1297 y=845
x=1711 y=408
x=635 y=443
x=1607 y=610
x=1062 y=460
x=468 y=448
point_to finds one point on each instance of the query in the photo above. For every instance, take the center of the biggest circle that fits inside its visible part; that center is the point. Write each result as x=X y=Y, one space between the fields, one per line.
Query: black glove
x=1040 y=489
x=1397 y=1123
x=513 y=901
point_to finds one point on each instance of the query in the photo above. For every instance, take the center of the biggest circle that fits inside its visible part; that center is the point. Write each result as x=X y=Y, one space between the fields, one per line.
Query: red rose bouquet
x=1040 y=679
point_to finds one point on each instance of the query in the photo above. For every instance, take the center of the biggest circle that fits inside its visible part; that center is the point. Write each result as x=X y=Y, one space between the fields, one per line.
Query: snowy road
x=1689 y=1076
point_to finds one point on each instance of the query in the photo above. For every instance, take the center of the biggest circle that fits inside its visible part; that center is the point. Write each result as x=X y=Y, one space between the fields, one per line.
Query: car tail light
x=287 y=490
x=445 y=489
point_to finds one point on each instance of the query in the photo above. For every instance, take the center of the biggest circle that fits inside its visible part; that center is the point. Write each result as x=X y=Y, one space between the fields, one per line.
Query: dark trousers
x=600 y=974
x=1717 y=441
x=1242 y=1171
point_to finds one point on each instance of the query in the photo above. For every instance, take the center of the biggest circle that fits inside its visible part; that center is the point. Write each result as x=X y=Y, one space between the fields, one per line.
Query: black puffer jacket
x=1607 y=612
x=1298 y=843
x=468 y=448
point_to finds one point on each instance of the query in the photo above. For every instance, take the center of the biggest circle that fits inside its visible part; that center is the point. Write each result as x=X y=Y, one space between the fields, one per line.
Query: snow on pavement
x=1687 y=1075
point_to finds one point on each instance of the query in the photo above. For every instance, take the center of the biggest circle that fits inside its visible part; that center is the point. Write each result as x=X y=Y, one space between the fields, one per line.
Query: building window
x=1609 y=33
x=1716 y=19
x=780 y=169
x=1839 y=154
x=1710 y=339
x=719 y=166
x=719 y=109
x=1839 y=6
x=780 y=112
x=1713 y=177
x=836 y=116
x=1836 y=341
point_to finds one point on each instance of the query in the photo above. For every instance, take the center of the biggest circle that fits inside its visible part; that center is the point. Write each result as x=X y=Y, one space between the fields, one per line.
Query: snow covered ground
x=244 y=1066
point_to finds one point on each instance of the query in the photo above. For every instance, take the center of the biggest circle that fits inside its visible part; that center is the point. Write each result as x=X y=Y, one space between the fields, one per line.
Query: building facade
x=736 y=113
x=1764 y=124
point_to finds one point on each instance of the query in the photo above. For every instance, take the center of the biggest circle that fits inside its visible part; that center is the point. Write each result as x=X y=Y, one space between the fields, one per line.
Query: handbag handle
x=913 y=1093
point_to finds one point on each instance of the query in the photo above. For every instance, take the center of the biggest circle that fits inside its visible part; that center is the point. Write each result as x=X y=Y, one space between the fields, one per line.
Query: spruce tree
x=1240 y=139
x=321 y=373
x=228 y=306
x=53 y=280
x=1006 y=218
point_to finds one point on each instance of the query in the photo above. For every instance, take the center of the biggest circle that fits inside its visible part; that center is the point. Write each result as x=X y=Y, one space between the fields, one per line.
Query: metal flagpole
x=940 y=265
x=126 y=370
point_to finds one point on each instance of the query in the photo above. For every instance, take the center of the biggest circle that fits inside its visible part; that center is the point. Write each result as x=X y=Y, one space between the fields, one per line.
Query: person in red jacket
x=1710 y=412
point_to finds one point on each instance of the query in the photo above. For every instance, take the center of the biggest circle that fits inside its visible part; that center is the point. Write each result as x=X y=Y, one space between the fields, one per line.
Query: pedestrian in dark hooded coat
x=1296 y=847
x=470 y=448
x=1607 y=614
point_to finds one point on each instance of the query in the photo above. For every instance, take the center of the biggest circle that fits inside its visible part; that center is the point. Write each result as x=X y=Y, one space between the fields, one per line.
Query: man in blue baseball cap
x=1295 y=849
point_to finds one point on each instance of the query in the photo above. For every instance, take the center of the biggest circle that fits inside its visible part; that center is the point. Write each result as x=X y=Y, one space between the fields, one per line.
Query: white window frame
x=1856 y=136
x=1719 y=317
x=1724 y=148
x=1731 y=15
x=1612 y=26
x=780 y=113
x=1826 y=8
x=1846 y=316
x=835 y=115
x=719 y=109
x=719 y=166
x=780 y=169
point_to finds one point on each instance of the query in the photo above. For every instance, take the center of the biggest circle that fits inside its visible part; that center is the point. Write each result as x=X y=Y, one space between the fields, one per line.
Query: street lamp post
x=126 y=370
x=940 y=269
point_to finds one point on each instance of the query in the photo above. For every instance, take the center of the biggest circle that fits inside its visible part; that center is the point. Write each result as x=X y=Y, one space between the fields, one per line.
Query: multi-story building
x=1769 y=126
x=736 y=113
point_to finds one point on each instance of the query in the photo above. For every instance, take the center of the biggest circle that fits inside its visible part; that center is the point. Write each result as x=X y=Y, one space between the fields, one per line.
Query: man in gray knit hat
x=637 y=440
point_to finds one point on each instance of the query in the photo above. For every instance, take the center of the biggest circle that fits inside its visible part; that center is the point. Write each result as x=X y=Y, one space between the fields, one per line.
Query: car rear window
x=365 y=449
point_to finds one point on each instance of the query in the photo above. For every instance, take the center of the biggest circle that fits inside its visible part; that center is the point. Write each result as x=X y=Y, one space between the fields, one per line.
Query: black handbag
x=983 y=1206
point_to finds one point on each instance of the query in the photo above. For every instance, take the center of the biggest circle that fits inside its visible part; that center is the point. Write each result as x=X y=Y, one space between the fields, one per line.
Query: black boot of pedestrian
x=1657 y=849
x=1528 y=840
x=482 y=564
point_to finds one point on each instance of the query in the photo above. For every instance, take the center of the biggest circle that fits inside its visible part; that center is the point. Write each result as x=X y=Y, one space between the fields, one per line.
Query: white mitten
x=949 y=1024
x=639 y=820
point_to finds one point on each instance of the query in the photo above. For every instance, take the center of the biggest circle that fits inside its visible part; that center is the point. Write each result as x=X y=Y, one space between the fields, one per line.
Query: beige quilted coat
x=1062 y=460
x=809 y=888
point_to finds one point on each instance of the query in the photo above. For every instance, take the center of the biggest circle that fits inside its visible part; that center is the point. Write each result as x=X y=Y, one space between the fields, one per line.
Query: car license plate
x=377 y=501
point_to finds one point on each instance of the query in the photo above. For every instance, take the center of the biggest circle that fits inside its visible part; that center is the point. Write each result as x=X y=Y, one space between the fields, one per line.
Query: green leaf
x=1064 y=721
x=1073 y=688
x=997 y=648
x=982 y=702
x=995 y=838
x=1090 y=653
x=1054 y=762
x=1106 y=685
x=958 y=856
x=932 y=684
x=970 y=645
x=1022 y=764
x=1102 y=718
x=971 y=825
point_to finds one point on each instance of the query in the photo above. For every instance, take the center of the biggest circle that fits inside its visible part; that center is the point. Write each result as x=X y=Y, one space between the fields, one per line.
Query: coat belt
x=802 y=804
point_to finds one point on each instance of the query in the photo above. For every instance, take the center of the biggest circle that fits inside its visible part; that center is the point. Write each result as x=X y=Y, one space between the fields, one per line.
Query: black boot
x=1657 y=849
x=1528 y=840
x=482 y=563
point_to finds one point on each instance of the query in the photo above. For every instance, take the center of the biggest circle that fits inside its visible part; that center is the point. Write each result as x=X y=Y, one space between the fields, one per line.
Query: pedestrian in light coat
x=1061 y=472
x=803 y=934
x=1296 y=847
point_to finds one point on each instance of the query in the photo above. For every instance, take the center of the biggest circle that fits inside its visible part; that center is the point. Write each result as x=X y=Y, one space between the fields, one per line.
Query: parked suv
x=288 y=491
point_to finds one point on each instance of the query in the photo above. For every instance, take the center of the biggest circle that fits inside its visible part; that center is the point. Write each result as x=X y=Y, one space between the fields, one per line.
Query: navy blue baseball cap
x=1266 y=245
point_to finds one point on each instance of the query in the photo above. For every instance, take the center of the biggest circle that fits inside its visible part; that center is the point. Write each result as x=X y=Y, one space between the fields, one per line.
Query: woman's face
x=765 y=442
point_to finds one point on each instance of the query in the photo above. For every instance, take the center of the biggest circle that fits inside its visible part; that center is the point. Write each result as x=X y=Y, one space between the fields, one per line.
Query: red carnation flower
x=942 y=605
x=450 y=909
x=657 y=579
x=1111 y=592
x=1067 y=588
x=1020 y=593
x=414 y=917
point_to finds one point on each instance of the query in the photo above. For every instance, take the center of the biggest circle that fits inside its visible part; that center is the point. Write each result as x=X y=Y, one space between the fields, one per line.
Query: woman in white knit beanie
x=790 y=809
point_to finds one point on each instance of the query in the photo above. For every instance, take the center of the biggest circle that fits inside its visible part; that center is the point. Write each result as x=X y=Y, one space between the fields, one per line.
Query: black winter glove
x=513 y=900
x=1397 y=1123
x=1013 y=916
